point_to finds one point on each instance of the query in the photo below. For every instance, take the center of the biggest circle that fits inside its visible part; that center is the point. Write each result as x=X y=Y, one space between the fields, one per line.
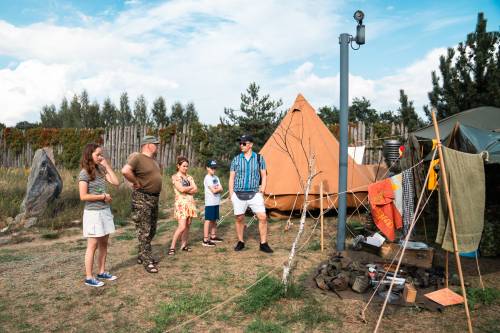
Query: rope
x=241 y=292
x=404 y=248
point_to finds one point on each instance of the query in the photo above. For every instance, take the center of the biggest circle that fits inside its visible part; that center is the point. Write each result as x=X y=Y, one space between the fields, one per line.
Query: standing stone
x=44 y=185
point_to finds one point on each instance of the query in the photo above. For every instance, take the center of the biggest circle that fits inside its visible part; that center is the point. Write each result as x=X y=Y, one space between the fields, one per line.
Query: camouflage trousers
x=145 y=217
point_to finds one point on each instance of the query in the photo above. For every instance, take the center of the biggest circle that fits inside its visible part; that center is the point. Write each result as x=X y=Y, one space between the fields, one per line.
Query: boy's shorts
x=212 y=213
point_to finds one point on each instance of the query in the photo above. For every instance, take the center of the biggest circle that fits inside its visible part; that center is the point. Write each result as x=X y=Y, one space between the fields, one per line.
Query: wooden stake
x=452 y=217
x=321 y=216
x=446 y=271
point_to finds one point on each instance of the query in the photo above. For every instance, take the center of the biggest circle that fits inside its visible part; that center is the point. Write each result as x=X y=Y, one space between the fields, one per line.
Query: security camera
x=359 y=16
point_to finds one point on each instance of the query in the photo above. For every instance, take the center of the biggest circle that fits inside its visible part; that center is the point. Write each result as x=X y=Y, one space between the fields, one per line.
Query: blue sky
x=208 y=51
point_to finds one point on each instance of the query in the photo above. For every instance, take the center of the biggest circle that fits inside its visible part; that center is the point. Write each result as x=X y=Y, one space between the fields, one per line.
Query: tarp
x=484 y=117
x=473 y=140
x=300 y=134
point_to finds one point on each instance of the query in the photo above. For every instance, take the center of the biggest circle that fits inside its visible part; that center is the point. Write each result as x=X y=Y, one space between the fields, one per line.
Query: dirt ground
x=42 y=290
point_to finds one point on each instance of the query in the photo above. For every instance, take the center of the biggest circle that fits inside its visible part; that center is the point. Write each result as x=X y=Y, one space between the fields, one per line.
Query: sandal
x=186 y=249
x=151 y=268
x=171 y=252
x=140 y=261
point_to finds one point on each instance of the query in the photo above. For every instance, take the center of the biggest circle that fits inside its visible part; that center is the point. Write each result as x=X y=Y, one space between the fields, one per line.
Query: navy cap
x=212 y=164
x=245 y=138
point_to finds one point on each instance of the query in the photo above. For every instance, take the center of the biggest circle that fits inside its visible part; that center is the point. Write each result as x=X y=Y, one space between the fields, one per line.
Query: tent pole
x=321 y=216
x=451 y=217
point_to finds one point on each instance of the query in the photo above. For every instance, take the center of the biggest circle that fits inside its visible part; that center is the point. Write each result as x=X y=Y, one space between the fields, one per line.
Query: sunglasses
x=244 y=143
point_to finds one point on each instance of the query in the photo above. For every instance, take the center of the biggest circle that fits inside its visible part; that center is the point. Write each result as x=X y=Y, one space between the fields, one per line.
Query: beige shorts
x=256 y=204
x=98 y=223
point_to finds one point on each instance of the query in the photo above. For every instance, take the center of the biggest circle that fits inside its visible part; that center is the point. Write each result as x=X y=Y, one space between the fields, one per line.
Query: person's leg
x=240 y=226
x=89 y=256
x=185 y=234
x=178 y=232
x=102 y=245
x=262 y=227
x=213 y=229
x=206 y=230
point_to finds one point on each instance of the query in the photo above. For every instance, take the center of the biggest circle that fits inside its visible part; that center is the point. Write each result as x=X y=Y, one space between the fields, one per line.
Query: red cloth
x=384 y=213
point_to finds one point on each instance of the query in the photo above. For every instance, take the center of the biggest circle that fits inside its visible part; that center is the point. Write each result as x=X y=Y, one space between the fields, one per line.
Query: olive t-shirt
x=147 y=172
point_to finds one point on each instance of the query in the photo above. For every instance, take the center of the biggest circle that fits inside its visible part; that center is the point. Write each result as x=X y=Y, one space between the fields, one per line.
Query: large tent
x=301 y=134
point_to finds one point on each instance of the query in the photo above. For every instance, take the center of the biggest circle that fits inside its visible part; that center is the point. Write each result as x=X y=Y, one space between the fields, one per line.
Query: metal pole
x=344 y=41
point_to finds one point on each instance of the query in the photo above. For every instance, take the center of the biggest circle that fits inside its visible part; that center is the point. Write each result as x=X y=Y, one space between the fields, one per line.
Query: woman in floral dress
x=184 y=207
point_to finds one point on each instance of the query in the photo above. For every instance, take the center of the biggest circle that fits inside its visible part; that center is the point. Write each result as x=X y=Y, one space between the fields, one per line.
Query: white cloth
x=98 y=223
x=256 y=204
x=356 y=153
x=397 y=187
x=211 y=199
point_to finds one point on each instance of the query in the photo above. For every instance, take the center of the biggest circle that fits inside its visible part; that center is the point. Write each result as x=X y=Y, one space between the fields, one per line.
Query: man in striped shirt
x=247 y=181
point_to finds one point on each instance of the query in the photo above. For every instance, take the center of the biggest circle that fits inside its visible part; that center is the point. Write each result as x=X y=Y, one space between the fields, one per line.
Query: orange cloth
x=384 y=212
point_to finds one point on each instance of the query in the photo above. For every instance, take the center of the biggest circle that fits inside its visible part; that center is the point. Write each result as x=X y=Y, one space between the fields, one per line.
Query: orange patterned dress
x=184 y=206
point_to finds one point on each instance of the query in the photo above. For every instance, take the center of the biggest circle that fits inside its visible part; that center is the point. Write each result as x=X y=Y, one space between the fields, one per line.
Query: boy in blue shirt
x=213 y=189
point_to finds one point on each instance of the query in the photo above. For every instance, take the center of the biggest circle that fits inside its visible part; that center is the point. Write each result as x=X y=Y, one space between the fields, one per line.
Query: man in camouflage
x=144 y=173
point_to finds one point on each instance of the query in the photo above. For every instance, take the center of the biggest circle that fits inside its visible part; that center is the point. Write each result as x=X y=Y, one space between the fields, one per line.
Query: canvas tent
x=300 y=133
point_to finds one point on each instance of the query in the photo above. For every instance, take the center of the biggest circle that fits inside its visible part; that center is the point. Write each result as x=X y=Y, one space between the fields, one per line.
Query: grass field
x=42 y=290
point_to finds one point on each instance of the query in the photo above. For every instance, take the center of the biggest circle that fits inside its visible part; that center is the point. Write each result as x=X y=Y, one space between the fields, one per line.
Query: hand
x=105 y=163
x=107 y=198
x=136 y=186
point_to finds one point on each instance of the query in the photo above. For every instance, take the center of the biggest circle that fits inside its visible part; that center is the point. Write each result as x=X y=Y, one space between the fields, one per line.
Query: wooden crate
x=419 y=258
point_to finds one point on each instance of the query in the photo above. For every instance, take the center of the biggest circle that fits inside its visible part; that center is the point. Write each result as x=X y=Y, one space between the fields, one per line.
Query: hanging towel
x=408 y=203
x=384 y=212
x=433 y=179
x=465 y=174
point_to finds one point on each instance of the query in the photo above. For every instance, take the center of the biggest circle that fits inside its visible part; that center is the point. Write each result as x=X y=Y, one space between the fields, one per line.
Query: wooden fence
x=120 y=142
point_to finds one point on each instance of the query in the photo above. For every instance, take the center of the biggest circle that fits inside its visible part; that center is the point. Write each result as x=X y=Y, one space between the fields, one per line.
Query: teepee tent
x=301 y=134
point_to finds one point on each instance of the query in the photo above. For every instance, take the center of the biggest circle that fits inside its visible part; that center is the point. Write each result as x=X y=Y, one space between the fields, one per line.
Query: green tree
x=159 y=112
x=141 y=116
x=2 y=126
x=361 y=110
x=470 y=76
x=329 y=115
x=109 y=114
x=75 y=113
x=64 y=113
x=49 y=117
x=178 y=114
x=258 y=115
x=389 y=117
x=124 y=113
x=94 y=116
x=407 y=113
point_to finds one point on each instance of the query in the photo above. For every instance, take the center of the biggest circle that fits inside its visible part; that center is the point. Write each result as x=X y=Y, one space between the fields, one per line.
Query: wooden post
x=452 y=217
x=321 y=214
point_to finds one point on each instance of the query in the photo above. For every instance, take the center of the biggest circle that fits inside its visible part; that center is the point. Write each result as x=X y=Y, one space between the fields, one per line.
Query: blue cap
x=212 y=164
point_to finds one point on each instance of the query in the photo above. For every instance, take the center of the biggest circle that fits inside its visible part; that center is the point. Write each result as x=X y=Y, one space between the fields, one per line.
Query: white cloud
x=383 y=93
x=201 y=51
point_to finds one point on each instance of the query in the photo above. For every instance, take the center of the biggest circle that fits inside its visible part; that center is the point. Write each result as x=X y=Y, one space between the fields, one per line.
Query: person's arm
x=128 y=173
x=110 y=174
x=83 y=188
x=263 y=176
x=193 y=186
x=231 y=183
x=178 y=185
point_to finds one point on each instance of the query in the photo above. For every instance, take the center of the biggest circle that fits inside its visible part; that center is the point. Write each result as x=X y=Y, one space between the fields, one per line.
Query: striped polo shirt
x=96 y=186
x=247 y=173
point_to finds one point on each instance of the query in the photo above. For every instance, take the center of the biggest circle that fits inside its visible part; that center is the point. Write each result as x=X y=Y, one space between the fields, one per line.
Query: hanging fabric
x=408 y=203
x=465 y=174
x=433 y=178
x=384 y=212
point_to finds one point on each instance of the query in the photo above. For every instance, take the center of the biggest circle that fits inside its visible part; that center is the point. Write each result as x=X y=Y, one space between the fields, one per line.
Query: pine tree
x=329 y=115
x=87 y=118
x=64 y=113
x=94 y=116
x=159 y=112
x=141 y=116
x=124 y=114
x=258 y=116
x=49 y=118
x=407 y=112
x=178 y=114
x=75 y=113
x=470 y=76
x=360 y=110
x=109 y=114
